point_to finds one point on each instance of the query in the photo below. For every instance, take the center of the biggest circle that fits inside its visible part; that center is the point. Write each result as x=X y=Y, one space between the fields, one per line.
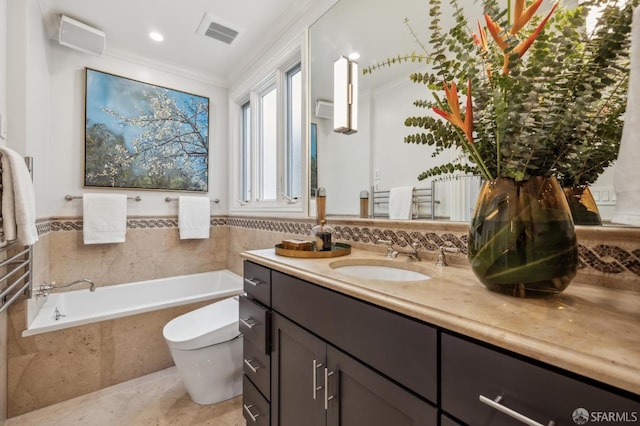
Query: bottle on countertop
x=322 y=233
x=321 y=204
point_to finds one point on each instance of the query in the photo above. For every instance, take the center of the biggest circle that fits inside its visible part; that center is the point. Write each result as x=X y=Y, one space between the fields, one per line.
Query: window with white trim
x=270 y=141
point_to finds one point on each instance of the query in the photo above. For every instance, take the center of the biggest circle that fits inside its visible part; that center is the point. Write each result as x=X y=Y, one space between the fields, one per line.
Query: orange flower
x=455 y=116
x=480 y=39
x=521 y=18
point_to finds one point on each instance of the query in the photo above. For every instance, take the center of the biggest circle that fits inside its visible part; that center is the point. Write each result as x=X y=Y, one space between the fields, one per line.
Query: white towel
x=401 y=202
x=626 y=180
x=18 y=199
x=194 y=217
x=104 y=218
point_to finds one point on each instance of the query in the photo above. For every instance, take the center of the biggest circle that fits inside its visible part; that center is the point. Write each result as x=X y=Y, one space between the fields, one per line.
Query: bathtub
x=79 y=307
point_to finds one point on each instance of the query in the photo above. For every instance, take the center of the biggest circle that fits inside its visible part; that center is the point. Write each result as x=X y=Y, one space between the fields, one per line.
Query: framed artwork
x=313 y=161
x=142 y=136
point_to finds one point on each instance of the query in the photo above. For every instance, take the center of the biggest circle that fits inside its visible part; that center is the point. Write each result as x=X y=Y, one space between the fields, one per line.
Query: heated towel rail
x=16 y=266
x=423 y=207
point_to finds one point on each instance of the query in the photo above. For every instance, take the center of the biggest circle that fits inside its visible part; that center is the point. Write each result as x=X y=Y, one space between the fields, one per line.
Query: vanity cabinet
x=482 y=385
x=326 y=358
x=255 y=325
x=332 y=357
x=316 y=384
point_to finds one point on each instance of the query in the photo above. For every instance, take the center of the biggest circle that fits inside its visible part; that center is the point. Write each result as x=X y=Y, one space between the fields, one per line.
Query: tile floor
x=157 y=399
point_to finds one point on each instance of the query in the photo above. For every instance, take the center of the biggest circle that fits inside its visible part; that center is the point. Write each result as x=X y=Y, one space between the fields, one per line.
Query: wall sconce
x=345 y=96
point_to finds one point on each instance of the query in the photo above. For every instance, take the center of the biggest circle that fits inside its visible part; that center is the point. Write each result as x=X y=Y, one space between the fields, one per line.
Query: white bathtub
x=109 y=302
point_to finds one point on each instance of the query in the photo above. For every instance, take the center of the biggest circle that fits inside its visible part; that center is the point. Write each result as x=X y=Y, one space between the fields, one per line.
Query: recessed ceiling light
x=156 y=36
x=354 y=56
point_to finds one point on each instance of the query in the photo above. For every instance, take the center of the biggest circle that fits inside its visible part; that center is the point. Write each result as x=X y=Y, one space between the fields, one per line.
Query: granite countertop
x=589 y=330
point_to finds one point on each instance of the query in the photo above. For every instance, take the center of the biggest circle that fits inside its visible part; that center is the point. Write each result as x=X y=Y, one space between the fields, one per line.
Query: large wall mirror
x=376 y=156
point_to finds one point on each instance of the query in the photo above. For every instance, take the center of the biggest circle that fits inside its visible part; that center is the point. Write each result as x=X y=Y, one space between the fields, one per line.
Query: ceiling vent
x=217 y=29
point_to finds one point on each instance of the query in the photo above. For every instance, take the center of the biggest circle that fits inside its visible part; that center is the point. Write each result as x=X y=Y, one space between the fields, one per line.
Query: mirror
x=376 y=156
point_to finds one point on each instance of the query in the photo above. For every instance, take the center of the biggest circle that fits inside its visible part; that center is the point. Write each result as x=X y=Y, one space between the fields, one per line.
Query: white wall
x=66 y=149
x=3 y=58
x=344 y=162
x=46 y=118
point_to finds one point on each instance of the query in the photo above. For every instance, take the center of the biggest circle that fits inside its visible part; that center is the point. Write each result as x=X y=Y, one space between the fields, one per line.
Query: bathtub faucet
x=43 y=289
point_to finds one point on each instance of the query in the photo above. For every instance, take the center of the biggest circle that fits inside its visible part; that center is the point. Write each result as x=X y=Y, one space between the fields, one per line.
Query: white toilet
x=206 y=346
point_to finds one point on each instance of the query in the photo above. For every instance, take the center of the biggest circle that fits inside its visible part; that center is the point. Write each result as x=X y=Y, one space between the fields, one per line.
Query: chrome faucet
x=44 y=288
x=442 y=260
x=412 y=255
x=390 y=251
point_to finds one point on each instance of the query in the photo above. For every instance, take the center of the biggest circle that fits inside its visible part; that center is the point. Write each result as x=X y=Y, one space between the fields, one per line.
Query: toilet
x=206 y=346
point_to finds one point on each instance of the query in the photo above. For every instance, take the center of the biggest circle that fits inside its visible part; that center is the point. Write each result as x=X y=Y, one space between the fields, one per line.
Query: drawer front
x=257 y=367
x=255 y=408
x=254 y=323
x=257 y=282
x=448 y=421
x=474 y=376
x=397 y=346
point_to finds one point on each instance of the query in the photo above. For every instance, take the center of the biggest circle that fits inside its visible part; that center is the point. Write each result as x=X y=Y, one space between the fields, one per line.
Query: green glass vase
x=582 y=205
x=522 y=239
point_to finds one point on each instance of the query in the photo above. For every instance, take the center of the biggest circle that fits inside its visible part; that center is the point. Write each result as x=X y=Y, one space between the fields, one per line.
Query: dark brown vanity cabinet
x=255 y=325
x=316 y=384
x=481 y=385
x=314 y=356
x=336 y=360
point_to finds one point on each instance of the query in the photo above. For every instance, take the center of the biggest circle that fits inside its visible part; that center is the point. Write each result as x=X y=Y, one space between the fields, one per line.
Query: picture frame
x=143 y=136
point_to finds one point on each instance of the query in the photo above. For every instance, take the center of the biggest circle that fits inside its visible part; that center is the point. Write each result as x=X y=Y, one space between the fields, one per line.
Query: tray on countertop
x=337 y=250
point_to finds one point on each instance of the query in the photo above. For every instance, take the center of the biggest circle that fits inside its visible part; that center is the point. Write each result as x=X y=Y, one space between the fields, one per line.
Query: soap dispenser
x=322 y=232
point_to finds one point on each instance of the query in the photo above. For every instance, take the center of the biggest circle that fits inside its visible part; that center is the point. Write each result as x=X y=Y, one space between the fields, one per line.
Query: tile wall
x=55 y=366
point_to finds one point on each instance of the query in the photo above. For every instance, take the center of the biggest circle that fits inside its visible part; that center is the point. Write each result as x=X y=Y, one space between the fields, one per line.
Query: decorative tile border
x=610 y=259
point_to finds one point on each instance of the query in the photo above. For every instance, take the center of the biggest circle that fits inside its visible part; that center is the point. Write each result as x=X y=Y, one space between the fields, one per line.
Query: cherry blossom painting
x=139 y=135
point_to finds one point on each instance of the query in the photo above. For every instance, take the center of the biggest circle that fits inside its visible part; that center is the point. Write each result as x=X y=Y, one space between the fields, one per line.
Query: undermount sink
x=391 y=271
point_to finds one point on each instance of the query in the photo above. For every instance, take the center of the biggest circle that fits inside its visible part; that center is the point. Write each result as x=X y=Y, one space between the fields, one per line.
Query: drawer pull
x=495 y=404
x=253 y=281
x=247 y=409
x=249 y=323
x=253 y=369
x=316 y=388
x=327 y=397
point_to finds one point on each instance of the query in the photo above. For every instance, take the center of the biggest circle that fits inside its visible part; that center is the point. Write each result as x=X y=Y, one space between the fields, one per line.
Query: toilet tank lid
x=206 y=326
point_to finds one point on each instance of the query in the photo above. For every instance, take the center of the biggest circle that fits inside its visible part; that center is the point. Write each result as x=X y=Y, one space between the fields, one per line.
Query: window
x=267 y=143
x=293 y=187
x=270 y=141
x=245 y=153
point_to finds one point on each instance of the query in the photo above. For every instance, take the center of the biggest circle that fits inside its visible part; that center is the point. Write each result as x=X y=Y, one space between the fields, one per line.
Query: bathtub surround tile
x=155 y=399
x=148 y=253
x=48 y=368
x=53 y=367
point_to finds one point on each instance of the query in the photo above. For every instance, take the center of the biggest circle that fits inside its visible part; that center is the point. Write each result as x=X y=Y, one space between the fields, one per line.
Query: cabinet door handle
x=327 y=397
x=253 y=281
x=253 y=369
x=316 y=388
x=247 y=409
x=249 y=323
x=495 y=404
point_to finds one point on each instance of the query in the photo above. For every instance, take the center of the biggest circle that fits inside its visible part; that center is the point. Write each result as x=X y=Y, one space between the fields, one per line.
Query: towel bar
x=169 y=199
x=421 y=197
x=77 y=197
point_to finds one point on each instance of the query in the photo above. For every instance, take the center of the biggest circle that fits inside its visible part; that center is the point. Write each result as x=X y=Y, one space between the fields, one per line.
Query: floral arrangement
x=542 y=97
